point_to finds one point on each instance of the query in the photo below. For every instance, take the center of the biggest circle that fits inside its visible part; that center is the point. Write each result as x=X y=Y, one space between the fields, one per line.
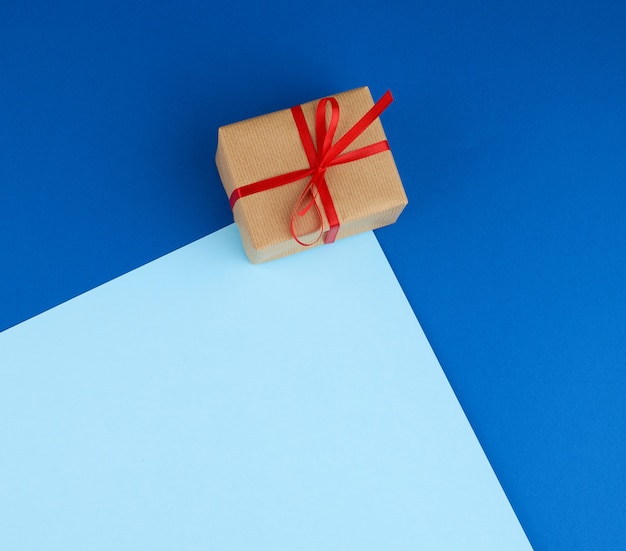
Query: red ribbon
x=320 y=159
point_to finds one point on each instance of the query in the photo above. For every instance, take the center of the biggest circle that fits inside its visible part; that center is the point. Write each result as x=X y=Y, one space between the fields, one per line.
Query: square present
x=309 y=175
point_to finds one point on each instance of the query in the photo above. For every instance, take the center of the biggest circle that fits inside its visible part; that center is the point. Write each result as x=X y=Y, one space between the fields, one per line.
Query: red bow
x=320 y=160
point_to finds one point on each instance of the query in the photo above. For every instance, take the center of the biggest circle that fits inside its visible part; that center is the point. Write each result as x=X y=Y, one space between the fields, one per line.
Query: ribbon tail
x=361 y=125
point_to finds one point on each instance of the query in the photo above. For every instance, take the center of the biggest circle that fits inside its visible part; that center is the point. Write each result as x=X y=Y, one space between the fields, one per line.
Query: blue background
x=509 y=130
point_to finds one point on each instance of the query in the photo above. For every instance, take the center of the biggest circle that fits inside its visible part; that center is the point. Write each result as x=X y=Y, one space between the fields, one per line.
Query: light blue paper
x=200 y=402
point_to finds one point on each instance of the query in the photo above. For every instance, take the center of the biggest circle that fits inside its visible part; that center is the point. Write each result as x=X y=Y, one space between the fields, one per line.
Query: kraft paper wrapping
x=367 y=193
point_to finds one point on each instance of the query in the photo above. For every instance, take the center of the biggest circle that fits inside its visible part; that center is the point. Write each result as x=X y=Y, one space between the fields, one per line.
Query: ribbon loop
x=321 y=155
x=325 y=134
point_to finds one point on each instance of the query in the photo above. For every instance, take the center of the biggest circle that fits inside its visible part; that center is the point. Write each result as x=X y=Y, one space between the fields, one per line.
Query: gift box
x=309 y=175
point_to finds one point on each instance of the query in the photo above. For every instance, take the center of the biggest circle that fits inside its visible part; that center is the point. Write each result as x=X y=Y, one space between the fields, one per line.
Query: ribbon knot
x=321 y=155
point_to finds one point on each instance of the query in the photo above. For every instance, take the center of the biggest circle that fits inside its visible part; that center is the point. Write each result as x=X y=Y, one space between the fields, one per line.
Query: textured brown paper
x=367 y=193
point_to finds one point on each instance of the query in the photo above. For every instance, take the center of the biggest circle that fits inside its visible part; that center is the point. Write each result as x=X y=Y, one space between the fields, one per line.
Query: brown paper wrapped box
x=367 y=193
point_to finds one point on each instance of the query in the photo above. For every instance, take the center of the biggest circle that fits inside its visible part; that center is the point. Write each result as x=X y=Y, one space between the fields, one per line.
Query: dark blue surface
x=509 y=129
